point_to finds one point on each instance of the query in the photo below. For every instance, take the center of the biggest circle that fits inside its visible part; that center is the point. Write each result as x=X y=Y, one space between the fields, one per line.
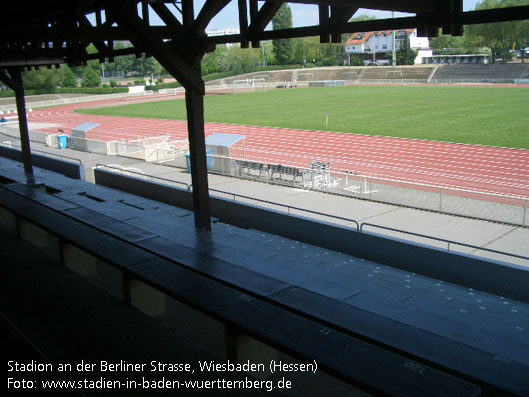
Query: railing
x=127 y=170
x=66 y=101
x=448 y=242
x=58 y=156
x=289 y=209
x=486 y=206
x=472 y=81
x=448 y=200
x=119 y=168
x=43 y=153
x=14 y=132
x=359 y=226
x=473 y=204
x=387 y=81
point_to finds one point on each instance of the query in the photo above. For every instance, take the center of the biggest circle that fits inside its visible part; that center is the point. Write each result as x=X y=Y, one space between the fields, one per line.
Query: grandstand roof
x=59 y=31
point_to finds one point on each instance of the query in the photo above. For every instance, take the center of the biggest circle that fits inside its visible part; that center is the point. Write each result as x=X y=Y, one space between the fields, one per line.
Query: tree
x=449 y=44
x=523 y=37
x=244 y=59
x=143 y=65
x=282 y=48
x=209 y=64
x=91 y=78
x=521 y=32
x=68 y=78
x=43 y=80
x=405 y=55
x=499 y=37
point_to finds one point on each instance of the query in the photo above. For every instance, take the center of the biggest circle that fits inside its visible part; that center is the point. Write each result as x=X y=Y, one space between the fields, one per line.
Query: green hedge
x=161 y=86
x=9 y=93
x=96 y=90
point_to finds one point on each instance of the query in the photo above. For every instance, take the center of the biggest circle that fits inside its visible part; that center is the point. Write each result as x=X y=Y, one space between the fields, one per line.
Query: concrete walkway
x=485 y=234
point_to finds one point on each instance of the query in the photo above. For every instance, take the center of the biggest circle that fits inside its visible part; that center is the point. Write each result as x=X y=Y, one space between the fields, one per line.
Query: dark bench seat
x=372 y=300
x=253 y=307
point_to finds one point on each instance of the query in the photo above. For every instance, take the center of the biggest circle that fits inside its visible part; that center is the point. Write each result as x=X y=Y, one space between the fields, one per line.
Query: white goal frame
x=249 y=84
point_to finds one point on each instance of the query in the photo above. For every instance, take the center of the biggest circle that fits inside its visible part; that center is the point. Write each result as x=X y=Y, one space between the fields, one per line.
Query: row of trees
x=497 y=39
x=89 y=76
x=47 y=80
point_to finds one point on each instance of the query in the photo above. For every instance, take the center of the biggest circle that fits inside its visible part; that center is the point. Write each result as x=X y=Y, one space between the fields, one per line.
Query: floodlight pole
x=393 y=52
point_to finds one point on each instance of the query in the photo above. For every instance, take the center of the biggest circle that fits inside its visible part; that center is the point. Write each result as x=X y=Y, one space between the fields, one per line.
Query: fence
x=66 y=101
x=472 y=81
x=486 y=206
x=91 y=145
x=331 y=218
x=498 y=208
x=449 y=243
x=353 y=81
x=35 y=136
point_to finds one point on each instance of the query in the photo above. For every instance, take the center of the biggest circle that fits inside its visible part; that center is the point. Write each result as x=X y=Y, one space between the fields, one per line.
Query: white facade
x=377 y=42
x=422 y=56
x=223 y=32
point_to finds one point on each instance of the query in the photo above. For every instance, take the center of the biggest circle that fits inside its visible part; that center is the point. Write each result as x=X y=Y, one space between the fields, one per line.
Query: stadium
x=364 y=222
x=478 y=166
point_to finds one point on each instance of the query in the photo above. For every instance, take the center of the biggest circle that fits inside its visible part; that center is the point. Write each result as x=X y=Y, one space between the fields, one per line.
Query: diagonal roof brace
x=170 y=58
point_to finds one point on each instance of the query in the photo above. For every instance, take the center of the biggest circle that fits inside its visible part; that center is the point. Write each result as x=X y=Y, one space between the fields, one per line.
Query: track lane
x=469 y=167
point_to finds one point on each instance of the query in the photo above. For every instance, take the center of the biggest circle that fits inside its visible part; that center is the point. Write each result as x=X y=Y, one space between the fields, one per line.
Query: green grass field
x=475 y=115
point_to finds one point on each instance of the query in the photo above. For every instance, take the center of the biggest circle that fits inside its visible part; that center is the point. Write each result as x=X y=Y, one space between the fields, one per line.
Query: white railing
x=471 y=81
x=66 y=101
x=130 y=171
x=492 y=207
x=264 y=86
x=13 y=132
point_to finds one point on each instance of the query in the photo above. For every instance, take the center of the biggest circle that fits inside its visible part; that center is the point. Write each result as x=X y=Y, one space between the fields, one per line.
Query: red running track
x=477 y=168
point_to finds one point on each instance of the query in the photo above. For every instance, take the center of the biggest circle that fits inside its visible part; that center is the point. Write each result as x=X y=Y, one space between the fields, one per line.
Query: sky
x=302 y=14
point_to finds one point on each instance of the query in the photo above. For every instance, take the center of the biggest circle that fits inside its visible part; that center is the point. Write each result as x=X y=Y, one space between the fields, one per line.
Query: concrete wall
x=66 y=168
x=491 y=276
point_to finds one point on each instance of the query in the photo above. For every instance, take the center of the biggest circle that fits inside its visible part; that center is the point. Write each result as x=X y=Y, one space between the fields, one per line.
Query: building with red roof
x=369 y=44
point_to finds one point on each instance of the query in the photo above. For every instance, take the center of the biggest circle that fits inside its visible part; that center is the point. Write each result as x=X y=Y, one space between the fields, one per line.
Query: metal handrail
x=382 y=179
x=443 y=240
x=60 y=156
x=235 y=195
x=288 y=207
x=188 y=186
x=48 y=154
x=359 y=227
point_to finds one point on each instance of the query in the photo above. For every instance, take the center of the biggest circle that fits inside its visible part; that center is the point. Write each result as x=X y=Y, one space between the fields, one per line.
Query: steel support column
x=197 y=157
x=14 y=81
x=23 y=125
